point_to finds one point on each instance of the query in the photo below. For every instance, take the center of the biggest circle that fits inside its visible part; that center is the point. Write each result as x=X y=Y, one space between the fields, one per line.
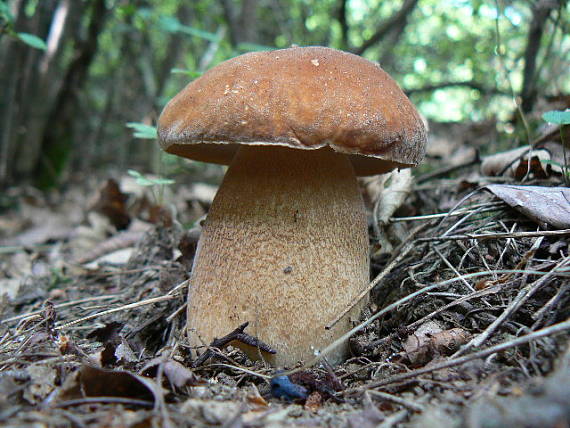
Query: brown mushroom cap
x=304 y=98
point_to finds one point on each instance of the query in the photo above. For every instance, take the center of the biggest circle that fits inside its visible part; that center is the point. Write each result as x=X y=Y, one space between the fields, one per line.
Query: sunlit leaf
x=5 y=12
x=149 y=181
x=192 y=73
x=250 y=47
x=558 y=117
x=211 y=37
x=143 y=131
x=32 y=40
x=169 y=23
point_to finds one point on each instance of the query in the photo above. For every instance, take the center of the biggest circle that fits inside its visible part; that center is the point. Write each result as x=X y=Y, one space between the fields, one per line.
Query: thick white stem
x=285 y=247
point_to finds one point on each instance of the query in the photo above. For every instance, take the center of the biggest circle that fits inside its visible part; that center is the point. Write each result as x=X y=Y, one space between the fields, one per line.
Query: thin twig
x=487 y=206
x=403 y=300
x=397 y=400
x=455 y=271
x=243 y=369
x=409 y=246
x=236 y=335
x=549 y=331
x=394 y=419
x=61 y=305
x=104 y=400
x=450 y=168
x=523 y=295
x=503 y=235
x=119 y=309
x=539 y=315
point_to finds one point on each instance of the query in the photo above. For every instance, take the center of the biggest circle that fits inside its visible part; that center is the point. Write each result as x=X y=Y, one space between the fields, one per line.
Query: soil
x=460 y=330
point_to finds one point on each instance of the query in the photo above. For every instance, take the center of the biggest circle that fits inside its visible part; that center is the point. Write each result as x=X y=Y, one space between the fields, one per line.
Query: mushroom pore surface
x=285 y=247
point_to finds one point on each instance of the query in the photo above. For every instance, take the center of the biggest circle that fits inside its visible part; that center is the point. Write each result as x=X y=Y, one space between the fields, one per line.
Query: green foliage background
x=459 y=60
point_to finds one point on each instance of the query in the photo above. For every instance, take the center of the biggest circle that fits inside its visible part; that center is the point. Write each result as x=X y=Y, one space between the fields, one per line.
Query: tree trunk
x=47 y=82
x=243 y=26
x=396 y=21
x=58 y=135
x=540 y=13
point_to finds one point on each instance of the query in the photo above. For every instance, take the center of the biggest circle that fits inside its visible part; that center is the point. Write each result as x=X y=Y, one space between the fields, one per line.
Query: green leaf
x=173 y=25
x=192 y=73
x=558 y=117
x=143 y=131
x=191 y=31
x=31 y=40
x=149 y=181
x=253 y=47
x=5 y=12
x=162 y=181
x=169 y=23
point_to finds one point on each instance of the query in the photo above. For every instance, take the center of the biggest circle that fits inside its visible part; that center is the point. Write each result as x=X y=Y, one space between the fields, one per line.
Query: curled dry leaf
x=544 y=205
x=42 y=382
x=314 y=401
x=394 y=189
x=517 y=162
x=112 y=203
x=430 y=340
x=177 y=374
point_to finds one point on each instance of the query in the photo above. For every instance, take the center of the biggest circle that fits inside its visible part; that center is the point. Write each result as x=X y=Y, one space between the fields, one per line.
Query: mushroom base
x=285 y=247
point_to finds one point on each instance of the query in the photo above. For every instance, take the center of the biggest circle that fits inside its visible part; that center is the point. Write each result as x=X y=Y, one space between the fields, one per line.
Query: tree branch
x=540 y=13
x=388 y=25
x=342 y=19
x=466 y=84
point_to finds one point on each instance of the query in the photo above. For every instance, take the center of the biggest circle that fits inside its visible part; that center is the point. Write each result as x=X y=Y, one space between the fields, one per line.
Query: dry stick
x=174 y=314
x=394 y=419
x=539 y=315
x=415 y=324
x=523 y=295
x=61 y=305
x=104 y=400
x=237 y=334
x=462 y=220
x=496 y=235
x=455 y=271
x=397 y=400
x=403 y=300
x=552 y=330
x=481 y=293
x=449 y=169
x=243 y=369
x=487 y=206
x=119 y=309
x=494 y=289
x=407 y=248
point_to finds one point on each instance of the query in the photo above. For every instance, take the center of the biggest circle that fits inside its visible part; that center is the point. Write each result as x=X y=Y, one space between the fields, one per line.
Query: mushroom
x=285 y=244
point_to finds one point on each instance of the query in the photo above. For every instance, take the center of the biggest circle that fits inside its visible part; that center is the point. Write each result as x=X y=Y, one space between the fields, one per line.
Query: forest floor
x=467 y=325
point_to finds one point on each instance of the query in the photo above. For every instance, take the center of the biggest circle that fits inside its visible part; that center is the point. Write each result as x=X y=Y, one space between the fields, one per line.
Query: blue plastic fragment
x=282 y=387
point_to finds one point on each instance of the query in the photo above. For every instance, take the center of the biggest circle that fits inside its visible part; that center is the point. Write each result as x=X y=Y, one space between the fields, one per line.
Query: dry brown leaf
x=98 y=382
x=116 y=248
x=314 y=401
x=430 y=340
x=515 y=163
x=394 y=190
x=256 y=400
x=177 y=374
x=417 y=345
x=544 y=205
x=42 y=382
x=112 y=203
